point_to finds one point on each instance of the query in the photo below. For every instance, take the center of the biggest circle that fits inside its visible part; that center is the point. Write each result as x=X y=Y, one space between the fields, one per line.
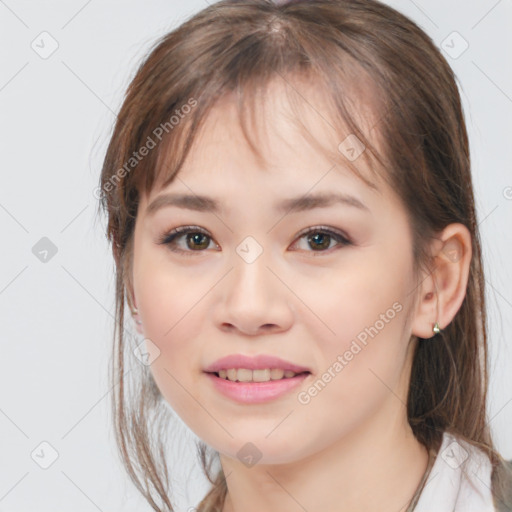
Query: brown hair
x=238 y=47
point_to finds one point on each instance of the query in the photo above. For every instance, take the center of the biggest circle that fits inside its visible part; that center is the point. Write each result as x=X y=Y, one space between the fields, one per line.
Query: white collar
x=460 y=480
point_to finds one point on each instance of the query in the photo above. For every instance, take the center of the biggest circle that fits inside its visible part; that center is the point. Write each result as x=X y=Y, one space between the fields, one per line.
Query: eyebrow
x=208 y=204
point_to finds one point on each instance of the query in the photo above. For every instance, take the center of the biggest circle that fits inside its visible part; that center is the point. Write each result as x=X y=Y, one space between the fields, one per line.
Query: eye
x=196 y=239
x=320 y=238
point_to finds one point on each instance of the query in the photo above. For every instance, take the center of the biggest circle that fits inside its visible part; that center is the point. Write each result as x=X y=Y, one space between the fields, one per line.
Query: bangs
x=351 y=141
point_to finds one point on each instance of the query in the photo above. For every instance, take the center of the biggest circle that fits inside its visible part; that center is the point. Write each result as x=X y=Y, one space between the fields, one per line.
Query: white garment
x=459 y=481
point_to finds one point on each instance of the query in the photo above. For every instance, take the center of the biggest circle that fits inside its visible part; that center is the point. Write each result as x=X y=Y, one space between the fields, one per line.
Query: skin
x=301 y=304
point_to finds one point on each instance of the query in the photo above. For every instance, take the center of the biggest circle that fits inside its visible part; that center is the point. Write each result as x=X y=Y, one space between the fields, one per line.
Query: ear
x=442 y=290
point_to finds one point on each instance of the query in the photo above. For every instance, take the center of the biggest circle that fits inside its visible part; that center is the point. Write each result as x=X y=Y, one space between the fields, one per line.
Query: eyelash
x=170 y=238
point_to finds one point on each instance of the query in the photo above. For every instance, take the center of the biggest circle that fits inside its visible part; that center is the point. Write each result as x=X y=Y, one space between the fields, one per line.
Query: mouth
x=247 y=375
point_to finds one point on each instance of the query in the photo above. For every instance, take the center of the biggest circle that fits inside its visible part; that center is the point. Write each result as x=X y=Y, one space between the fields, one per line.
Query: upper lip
x=256 y=362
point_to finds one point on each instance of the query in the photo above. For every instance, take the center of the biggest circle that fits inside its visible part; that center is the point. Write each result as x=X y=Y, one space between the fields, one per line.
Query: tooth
x=244 y=375
x=276 y=373
x=261 y=375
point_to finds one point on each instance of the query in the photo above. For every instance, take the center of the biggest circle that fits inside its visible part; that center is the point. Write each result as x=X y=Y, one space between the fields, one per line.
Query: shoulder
x=502 y=476
x=459 y=481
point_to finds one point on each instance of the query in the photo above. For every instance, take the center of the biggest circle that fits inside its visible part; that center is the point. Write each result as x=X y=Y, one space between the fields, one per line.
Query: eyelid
x=324 y=229
x=180 y=229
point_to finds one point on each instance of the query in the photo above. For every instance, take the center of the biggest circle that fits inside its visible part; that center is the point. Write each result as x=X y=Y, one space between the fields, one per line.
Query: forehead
x=288 y=126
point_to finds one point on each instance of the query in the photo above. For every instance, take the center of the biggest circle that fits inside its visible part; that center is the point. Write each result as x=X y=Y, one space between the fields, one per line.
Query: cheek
x=168 y=296
x=362 y=303
x=361 y=338
x=171 y=310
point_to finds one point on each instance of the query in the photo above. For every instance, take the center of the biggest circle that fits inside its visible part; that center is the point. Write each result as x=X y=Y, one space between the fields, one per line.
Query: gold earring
x=436 y=328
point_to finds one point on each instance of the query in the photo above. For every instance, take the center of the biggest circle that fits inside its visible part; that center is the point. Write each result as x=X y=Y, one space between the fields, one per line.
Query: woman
x=289 y=199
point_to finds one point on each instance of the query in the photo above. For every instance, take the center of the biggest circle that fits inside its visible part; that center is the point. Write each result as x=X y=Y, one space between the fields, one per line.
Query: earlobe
x=138 y=321
x=132 y=304
x=135 y=314
x=442 y=291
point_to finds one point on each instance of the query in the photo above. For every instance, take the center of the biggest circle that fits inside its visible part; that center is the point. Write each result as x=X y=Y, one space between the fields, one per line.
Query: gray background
x=56 y=115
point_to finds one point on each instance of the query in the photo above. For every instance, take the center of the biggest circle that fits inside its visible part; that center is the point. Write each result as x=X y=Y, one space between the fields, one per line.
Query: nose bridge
x=252 y=296
x=250 y=274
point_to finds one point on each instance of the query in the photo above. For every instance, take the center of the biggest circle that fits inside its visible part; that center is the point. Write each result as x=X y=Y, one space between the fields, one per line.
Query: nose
x=253 y=299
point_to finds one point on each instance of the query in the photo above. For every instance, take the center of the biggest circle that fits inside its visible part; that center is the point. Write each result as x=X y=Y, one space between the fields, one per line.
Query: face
x=325 y=286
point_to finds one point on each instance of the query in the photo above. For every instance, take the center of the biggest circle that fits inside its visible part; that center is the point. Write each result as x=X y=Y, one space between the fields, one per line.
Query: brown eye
x=319 y=240
x=196 y=240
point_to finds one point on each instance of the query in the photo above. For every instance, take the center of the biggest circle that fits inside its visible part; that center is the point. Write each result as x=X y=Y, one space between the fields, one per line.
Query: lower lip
x=256 y=392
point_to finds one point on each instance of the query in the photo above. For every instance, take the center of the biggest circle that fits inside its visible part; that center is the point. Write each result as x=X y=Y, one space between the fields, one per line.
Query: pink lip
x=258 y=362
x=255 y=392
